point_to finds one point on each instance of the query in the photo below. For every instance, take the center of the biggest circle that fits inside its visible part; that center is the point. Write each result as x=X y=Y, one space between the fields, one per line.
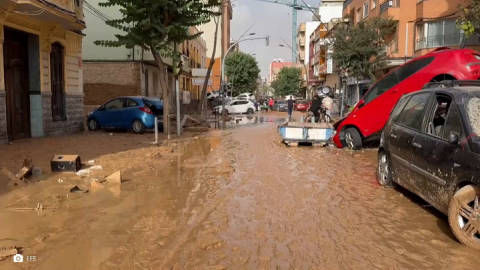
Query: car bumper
x=149 y=121
x=337 y=141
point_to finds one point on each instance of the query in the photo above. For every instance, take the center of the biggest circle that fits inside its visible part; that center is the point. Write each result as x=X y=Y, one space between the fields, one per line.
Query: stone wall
x=74 y=120
x=104 y=81
x=3 y=118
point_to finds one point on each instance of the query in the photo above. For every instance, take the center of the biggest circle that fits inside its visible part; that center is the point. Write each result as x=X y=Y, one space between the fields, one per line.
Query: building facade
x=275 y=68
x=223 y=42
x=303 y=49
x=41 y=90
x=111 y=72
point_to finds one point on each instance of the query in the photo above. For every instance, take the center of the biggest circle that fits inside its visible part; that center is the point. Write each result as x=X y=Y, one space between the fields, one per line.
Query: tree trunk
x=209 y=70
x=165 y=89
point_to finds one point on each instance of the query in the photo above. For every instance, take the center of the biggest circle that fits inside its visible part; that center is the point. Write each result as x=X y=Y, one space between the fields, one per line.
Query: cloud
x=268 y=19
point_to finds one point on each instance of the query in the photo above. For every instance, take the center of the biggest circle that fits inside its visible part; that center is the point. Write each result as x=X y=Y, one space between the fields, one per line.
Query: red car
x=366 y=121
x=302 y=105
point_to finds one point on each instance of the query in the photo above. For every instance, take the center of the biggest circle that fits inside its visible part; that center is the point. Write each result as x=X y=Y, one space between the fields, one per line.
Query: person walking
x=290 y=104
x=270 y=104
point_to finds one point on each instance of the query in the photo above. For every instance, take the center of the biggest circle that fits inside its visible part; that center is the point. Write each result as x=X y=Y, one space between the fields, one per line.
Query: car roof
x=455 y=92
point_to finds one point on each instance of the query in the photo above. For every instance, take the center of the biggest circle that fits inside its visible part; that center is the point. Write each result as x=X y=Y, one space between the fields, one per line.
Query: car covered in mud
x=370 y=114
x=431 y=146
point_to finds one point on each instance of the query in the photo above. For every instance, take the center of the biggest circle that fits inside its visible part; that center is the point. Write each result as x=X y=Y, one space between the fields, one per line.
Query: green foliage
x=242 y=71
x=287 y=82
x=468 y=17
x=157 y=24
x=361 y=49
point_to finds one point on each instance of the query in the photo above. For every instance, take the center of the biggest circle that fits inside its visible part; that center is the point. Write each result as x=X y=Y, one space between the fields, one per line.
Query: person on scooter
x=316 y=103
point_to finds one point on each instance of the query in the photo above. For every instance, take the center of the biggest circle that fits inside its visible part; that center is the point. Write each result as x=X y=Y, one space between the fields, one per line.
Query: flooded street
x=237 y=199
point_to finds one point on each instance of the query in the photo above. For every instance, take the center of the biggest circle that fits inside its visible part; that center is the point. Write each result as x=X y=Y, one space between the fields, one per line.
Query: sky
x=267 y=19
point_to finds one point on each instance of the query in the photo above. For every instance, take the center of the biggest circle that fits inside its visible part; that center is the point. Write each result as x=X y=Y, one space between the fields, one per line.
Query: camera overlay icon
x=18 y=258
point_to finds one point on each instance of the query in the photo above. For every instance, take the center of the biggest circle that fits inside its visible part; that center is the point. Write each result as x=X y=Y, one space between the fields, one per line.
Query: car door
x=110 y=115
x=405 y=127
x=231 y=107
x=128 y=113
x=435 y=158
x=242 y=106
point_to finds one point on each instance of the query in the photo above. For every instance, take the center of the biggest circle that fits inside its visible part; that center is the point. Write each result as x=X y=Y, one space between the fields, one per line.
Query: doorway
x=15 y=55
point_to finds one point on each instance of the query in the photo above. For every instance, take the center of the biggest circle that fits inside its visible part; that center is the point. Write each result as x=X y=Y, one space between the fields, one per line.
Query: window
x=374 y=4
x=77 y=3
x=381 y=87
x=359 y=14
x=57 y=82
x=242 y=102
x=131 y=103
x=473 y=111
x=365 y=9
x=436 y=121
x=438 y=34
x=399 y=107
x=454 y=122
x=114 y=104
x=413 y=67
x=412 y=114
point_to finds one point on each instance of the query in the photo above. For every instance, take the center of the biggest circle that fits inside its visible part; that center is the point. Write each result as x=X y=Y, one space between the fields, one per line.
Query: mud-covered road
x=239 y=199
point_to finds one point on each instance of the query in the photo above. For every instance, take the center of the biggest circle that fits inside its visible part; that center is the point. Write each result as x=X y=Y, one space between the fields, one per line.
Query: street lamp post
x=267 y=39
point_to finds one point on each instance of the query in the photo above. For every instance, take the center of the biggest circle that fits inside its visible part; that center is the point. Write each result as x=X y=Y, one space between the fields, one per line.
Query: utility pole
x=177 y=65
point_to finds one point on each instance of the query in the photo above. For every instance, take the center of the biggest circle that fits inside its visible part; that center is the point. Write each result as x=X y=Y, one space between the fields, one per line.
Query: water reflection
x=246 y=120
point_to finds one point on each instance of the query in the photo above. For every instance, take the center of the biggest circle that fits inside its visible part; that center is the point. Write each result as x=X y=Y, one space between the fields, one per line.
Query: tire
x=93 y=125
x=327 y=118
x=384 y=170
x=353 y=139
x=308 y=118
x=138 y=127
x=250 y=111
x=461 y=210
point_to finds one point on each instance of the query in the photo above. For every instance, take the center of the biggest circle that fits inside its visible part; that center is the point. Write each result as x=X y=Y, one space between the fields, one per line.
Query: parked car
x=213 y=95
x=302 y=105
x=370 y=115
x=135 y=113
x=430 y=146
x=218 y=101
x=280 y=106
x=245 y=96
x=237 y=106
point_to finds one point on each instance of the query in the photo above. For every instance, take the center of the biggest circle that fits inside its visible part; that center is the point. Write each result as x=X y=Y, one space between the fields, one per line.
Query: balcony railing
x=438 y=41
x=346 y=3
x=388 y=4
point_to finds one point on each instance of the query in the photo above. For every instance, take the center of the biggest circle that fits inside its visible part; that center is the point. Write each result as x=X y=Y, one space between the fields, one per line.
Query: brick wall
x=74 y=112
x=104 y=81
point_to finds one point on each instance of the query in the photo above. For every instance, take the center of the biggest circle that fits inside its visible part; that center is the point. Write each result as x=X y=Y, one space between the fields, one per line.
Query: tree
x=157 y=25
x=287 y=82
x=361 y=49
x=242 y=71
x=469 y=17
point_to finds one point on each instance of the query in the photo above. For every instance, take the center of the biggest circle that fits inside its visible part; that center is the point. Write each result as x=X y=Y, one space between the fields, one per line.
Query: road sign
x=200 y=81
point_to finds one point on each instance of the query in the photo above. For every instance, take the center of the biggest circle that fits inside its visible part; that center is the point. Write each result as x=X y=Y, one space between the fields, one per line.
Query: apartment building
x=111 y=72
x=303 y=49
x=41 y=90
x=223 y=42
x=275 y=66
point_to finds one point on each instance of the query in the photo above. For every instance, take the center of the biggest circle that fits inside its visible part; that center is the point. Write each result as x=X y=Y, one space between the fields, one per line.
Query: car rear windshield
x=473 y=111
x=281 y=102
x=303 y=102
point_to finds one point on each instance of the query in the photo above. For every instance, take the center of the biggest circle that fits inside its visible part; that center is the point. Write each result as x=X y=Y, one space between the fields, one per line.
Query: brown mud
x=235 y=199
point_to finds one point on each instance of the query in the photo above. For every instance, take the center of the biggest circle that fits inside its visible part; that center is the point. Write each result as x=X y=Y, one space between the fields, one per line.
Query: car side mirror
x=360 y=104
x=453 y=137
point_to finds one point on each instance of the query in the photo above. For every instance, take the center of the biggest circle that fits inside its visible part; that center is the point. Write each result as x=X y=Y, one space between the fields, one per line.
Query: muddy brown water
x=239 y=199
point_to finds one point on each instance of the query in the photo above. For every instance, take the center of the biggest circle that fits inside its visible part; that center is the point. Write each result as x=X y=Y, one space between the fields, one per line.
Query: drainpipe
x=406 y=41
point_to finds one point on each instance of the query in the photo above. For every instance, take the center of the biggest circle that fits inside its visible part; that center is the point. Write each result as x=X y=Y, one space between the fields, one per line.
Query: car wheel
x=250 y=111
x=353 y=139
x=384 y=175
x=138 y=127
x=93 y=125
x=464 y=216
x=328 y=119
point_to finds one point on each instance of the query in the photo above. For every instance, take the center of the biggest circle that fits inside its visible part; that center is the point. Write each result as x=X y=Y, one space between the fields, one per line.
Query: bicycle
x=323 y=116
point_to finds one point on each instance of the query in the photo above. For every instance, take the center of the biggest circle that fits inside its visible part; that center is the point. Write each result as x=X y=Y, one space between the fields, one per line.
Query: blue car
x=131 y=113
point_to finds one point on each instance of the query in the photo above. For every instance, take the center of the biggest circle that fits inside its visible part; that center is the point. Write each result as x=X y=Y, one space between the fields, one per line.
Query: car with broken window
x=367 y=119
x=431 y=146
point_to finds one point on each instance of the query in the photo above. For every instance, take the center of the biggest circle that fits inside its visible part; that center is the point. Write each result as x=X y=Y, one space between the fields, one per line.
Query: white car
x=245 y=96
x=213 y=95
x=237 y=106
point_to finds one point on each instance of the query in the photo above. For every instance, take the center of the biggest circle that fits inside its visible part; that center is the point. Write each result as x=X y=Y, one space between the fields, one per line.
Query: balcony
x=438 y=41
x=346 y=3
x=392 y=48
x=386 y=5
x=390 y=9
x=301 y=42
x=302 y=56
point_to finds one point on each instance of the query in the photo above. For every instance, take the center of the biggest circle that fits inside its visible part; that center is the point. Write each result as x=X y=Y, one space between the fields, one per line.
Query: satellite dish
x=325 y=90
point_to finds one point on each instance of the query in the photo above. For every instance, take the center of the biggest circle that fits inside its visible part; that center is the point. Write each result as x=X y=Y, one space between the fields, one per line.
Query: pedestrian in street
x=327 y=103
x=290 y=103
x=270 y=104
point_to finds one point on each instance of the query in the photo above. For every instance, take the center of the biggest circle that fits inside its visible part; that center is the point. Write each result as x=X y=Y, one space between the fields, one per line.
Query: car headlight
x=90 y=113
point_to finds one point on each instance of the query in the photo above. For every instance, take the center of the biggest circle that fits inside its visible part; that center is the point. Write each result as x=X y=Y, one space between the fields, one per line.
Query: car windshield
x=473 y=111
x=281 y=102
x=302 y=102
